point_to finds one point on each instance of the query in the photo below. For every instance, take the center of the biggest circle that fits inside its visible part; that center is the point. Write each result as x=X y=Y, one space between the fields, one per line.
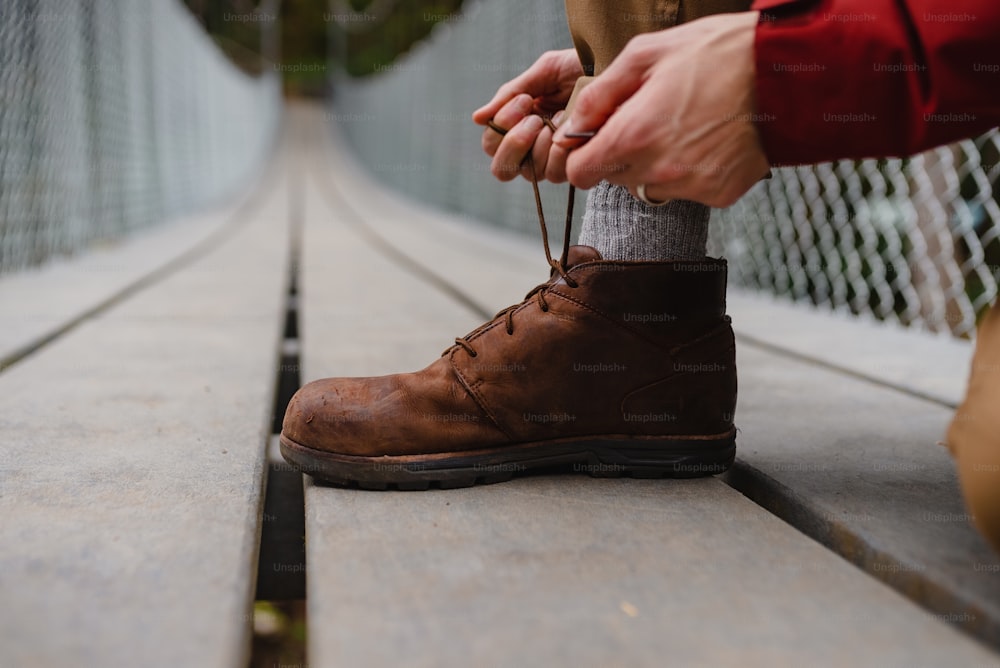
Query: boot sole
x=600 y=457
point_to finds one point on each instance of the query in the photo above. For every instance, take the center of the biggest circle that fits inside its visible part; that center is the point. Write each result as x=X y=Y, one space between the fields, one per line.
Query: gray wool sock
x=621 y=227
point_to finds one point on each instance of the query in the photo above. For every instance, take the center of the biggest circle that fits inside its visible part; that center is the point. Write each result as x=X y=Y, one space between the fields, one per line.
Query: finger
x=504 y=95
x=555 y=166
x=599 y=100
x=507 y=116
x=540 y=150
x=536 y=81
x=585 y=169
x=691 y=186
x=614 y=152
x=515 y=147
x=535 y=168
x=654 y=193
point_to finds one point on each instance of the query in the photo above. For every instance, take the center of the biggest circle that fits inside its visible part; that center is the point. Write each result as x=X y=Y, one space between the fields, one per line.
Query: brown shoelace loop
x=557 y=266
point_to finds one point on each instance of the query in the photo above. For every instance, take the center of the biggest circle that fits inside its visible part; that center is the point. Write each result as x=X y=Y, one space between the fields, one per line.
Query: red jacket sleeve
x=874 y=78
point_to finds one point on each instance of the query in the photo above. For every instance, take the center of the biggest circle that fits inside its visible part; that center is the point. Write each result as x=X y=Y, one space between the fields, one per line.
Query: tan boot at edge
x=974 y=433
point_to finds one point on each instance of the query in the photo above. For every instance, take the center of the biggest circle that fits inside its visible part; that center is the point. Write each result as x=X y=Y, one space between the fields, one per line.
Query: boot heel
x=678 y=458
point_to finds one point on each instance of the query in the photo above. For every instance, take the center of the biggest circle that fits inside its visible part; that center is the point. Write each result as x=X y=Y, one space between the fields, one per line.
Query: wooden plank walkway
x=132 y=468
x=550 y=570
x=932 y=367
x=857 y=465
x=36 y=306
x=137 y=413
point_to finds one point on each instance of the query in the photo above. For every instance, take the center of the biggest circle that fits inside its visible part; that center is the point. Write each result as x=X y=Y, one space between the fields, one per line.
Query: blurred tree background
x=361 y=37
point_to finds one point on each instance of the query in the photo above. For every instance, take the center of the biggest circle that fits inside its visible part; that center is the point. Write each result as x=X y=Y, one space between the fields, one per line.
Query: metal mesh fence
x=411 y=123
x=114 y=115
x=913 y=241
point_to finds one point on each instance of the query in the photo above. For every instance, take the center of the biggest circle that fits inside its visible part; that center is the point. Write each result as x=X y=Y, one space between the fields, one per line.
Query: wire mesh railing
x=410 y=122
x=115 y=115
x=913 y=241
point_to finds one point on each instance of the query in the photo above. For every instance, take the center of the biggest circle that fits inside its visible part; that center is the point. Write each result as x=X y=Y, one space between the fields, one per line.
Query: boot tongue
x=580 y=254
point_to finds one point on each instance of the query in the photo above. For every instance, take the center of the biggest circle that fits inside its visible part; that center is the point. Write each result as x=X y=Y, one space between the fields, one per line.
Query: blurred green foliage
x=238 y=27
x=304 y=51
x=245 y=30
x=369 y=35
x=360 y=36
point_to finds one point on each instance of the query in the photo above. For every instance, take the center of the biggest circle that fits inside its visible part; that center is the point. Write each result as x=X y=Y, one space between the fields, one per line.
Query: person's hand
x=541 y=90
x=674 y=112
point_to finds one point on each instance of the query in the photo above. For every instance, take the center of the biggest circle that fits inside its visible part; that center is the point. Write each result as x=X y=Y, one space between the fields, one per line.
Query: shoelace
x=557 y=266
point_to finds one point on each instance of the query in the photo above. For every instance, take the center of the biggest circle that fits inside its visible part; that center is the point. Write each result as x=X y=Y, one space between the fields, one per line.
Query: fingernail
x=563 y=129
x=533 y=123
x=557 y=117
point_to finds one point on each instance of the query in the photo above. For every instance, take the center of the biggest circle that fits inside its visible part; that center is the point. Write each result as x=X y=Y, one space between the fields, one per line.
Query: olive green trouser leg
x=618 y=225
x=602 y=28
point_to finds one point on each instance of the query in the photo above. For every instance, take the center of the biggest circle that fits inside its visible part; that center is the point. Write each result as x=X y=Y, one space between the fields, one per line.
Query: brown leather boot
x=608 y=368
